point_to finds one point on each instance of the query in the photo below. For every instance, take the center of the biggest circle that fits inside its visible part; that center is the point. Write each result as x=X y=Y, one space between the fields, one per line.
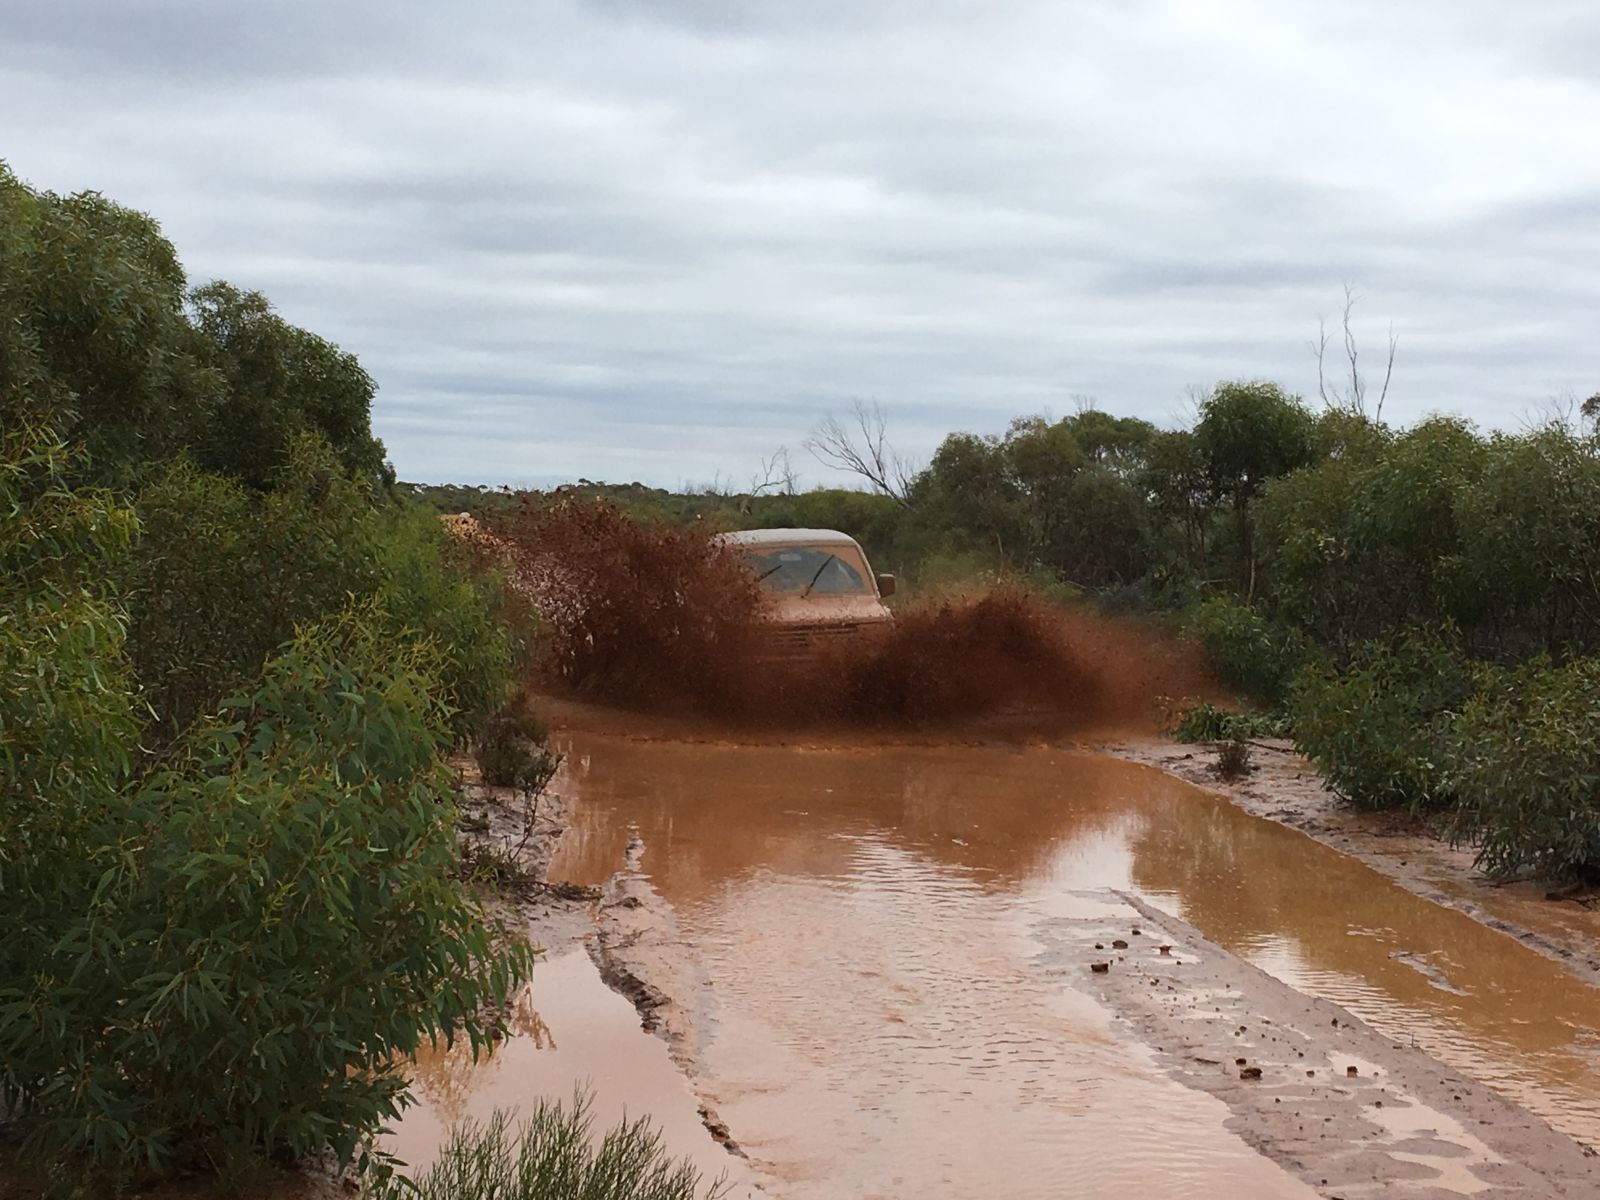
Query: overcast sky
x=655 y=239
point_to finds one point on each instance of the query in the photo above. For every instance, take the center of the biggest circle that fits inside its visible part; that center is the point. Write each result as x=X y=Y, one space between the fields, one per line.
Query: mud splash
x=878 y=1018
x=663 y=618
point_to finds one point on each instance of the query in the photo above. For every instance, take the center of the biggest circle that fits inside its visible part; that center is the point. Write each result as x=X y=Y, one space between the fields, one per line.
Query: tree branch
x=863 y=451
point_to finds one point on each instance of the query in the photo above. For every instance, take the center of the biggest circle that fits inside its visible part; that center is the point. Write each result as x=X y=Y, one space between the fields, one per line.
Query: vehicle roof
x=787 y=537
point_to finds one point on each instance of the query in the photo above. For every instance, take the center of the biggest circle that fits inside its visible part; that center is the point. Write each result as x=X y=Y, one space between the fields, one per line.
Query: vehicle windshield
x=813 y=570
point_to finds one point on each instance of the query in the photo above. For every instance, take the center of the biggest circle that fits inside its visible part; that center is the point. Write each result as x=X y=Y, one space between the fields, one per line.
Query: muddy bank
x=643 y=956
x=507 y=841
x=1308 y=1084
x=1284 y=788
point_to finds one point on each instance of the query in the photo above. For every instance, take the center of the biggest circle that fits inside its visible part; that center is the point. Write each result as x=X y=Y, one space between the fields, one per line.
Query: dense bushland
x=232 y=663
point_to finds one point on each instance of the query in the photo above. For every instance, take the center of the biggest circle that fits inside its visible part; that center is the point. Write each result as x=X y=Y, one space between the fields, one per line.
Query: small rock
x=1250 y=1073
x=1352 y=1072
x=1119 y=944
x=1239 y=1062
x=1166 y=949
x=1100 y=968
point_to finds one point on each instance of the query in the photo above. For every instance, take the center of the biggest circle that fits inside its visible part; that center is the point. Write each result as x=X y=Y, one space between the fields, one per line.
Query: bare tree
x=1352 y=395
x=862 y=448
x=777 y=475
x=1563 y=411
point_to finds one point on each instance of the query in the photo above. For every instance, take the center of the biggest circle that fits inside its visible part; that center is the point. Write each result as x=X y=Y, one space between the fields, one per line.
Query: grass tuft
x=551 y=1156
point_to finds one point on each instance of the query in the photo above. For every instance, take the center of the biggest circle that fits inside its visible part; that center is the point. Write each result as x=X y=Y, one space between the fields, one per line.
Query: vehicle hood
x=827 y=610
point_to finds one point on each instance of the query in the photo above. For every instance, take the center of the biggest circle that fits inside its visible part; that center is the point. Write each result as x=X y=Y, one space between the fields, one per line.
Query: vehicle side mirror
x=885 y=586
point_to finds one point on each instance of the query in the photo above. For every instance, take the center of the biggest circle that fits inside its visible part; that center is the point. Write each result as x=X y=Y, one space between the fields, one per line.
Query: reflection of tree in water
x=525 y=1019
x=447 y=1073
x=1247 y=883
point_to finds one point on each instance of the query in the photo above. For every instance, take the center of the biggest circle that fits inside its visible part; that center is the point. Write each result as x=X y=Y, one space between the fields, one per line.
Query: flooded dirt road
x=880 y=954
x=879 y=1020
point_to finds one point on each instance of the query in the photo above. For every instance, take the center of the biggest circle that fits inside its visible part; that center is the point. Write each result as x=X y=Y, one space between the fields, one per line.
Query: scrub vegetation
x=233 y=662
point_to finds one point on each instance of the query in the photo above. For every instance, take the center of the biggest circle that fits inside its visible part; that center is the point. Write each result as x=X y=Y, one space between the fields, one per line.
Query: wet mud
x=573 y=1028
x=1341 y=1104
x=859 y=978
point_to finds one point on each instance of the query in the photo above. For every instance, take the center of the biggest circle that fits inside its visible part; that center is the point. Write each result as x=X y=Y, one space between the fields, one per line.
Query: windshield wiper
x=816 y=577
x=769 y=571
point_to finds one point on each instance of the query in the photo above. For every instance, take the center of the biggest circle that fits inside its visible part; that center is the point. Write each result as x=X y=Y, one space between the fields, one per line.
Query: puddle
x=570 y=1031
x=1425 y=1136
x=863 y=914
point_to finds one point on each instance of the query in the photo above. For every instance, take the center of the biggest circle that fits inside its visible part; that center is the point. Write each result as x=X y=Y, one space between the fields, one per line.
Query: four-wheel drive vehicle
x=818 y=581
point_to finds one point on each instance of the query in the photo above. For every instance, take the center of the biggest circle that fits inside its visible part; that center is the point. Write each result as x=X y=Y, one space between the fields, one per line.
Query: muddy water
x=878 y=1025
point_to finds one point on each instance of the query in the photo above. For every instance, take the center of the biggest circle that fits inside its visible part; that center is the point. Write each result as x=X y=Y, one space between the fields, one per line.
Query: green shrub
x=1247 y=653
x=478 y=625
x=66 y=719
x=512 y=749
x=551 y=1156
x=222 y=576
x=274 y=924
x=1201 y=721
x=1525 y=766
x=1376 y=730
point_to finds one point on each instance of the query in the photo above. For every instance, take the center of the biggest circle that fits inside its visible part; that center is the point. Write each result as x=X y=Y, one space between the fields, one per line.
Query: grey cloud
x=612 y=238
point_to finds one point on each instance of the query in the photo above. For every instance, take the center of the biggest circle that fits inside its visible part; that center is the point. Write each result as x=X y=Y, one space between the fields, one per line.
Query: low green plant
x=551 y=1155
x=1233 y=758
x=1202 y=721
x=222 y=575
x=1376 y=730
x=1524 y=762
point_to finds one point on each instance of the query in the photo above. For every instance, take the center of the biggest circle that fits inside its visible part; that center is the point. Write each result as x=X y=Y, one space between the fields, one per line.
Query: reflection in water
x=880 y=1024
x=571 y=1032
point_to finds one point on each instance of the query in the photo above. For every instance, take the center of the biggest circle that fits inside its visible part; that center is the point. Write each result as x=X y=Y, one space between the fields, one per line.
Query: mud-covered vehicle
x=819 y=585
